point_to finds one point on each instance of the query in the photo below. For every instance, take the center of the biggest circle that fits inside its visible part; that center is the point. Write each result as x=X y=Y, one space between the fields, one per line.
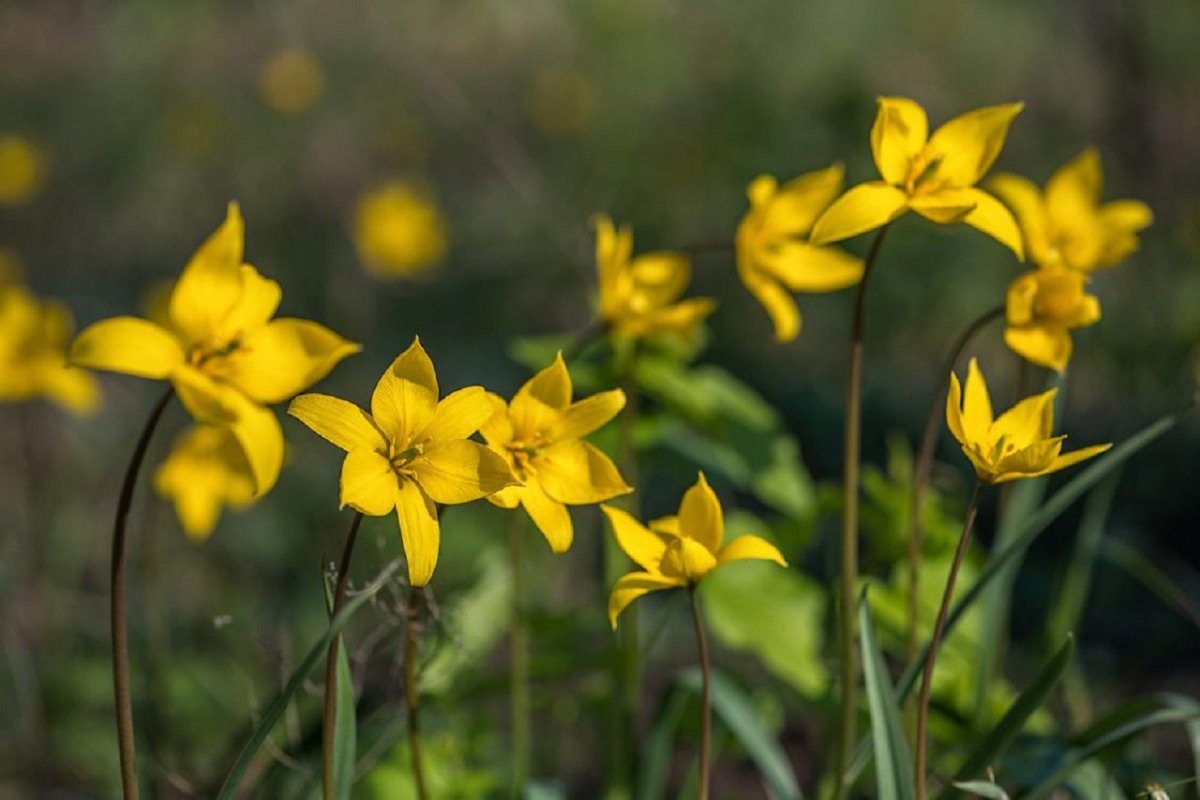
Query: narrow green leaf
x=657 y=760
x=1145 y=570
x=345 y=728
x=893 y=765
x=990 y=791
x=1067 y=609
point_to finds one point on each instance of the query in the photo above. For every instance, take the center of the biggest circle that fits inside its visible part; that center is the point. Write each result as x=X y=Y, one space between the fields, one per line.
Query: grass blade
x=989 y=791
x=1067 y=609
x=893 y=765
x=657 y=762
x=345 y=729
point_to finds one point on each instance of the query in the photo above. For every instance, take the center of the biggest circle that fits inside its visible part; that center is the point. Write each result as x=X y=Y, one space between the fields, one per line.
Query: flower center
x=524 y=451
x=922 y=173
x=402 y=461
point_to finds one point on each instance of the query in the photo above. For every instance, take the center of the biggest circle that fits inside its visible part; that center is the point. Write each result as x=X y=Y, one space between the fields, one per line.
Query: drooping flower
x=934 y=176
x=640 y=296
x=679 y=551
x=774 y=256
x=540 y=436
x=1018 y=443
x=222 y=351
x=22 y=168
x=33 y=353
x=410 y=452
x=399 y=231
x=291 y=81
x=1042 y=308
x=1067 y=226
x=205 y=471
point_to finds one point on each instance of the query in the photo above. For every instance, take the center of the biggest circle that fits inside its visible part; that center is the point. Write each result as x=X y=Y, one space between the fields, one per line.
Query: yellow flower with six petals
x=1042 y=307
x=205 y=471
x=679 y=551
x=540 y=435
x=33 y=353
x=410 y=452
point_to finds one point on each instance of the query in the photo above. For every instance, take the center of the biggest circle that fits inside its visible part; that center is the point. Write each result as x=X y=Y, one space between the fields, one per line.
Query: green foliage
x=893 y=764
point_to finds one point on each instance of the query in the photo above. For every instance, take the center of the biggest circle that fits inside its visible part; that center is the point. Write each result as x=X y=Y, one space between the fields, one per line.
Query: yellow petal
x=405 y=399
x=804 y=267
x=507 y=498
x=700 y=515
x=461 y=471
x=257 y=431
x=944 y=207
x=1024 y=200
x=1075 y=187
x=1121 y=220
x=862 y=208
x=368 y=483
x=458 y=415
x=750 y=547
x=498 y=429
x=613 y=248
x=204 y=471
x=645 y=547
x=1046 y=347
x=1033 y=459
x=899 y=133
x=340 y=422
x=211 y=284
x=954 y=418
x=577 y=473
x=978 y=209
x=969 y=144
x=550 y=516
x=537 y=405
x=206 y=399
x=419 y=531
x=779 y=305
x=129 y=345
x=632 y=586
x=802 y=200
x=257 y=303
x=680 y=318
x=687 y=560
x=1075 y=456
x=1029 y=421
x=659 y=278
x=284 y=357
x=73 y=389
x=588 y=415
x=977 y=405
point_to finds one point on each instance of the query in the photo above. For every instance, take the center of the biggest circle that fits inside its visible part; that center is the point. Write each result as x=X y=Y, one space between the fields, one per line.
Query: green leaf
x=990 y=791
x=345 y=728
x=657 y=762
x=1145 y=570
x=1067 y=609
x=893 y=766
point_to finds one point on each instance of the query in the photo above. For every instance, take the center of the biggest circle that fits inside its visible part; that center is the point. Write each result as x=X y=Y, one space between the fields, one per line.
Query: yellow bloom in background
x=205 y=471
x=640 y=296
x=22 y=168
x=934 y=176
x=1017 y=444
x=33 y=353
x=222 y=351
x=680 y=550
x=410 y=452
x=1066 y=226
x=399 y=231
x=1042 y=308
x=774 y=256
x=291 y=81
x=540 y=436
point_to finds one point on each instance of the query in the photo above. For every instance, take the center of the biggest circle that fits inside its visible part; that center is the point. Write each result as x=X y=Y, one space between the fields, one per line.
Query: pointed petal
x=419 y=531
x=1033 y=459
x=679 y=319
x=660 y=278
x=337 y=421
x=1075 y=187
x=1046 y=347
x=405 y=399
x=645 y=547
x=862 y=208
x=458 y=415
x=750 y=547
x=1024 y=200
x=461 y=471
x=257 y=431
x=498 y=429
x=898 y=135
x=550 y=516
x=537 y=405
x=1029 y=421
x=803 y=267
x=969 y=144
x=1075 y=456
x=700 y=515
x=977 y=405
x=129 y=345
x=632 y=586
x=507 y=498
x=258 y=300
x=577 y=473
x=954 y=419
x=588 y=415
x=779 y=305
x=73 y=389
x=211 y=284
x=284 y=357
x=206 y=399
x=368 y=483
x=801 y=200
x=687 y=560
x=993 y=218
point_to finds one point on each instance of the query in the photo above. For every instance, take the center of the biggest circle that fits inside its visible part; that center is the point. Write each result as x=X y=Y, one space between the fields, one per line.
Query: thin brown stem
x=331 y=660
x=120 y=634
x=936 y=640
x=706 y=699
x=412 y=631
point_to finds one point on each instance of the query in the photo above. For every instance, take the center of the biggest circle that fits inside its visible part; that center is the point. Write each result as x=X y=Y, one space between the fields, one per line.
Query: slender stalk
x=518 y=657
x=706 y=698
x=120 y=634
x=936 y=640
x=331 y=660
x=412 y=631
x=924 y=465
x=849 y=577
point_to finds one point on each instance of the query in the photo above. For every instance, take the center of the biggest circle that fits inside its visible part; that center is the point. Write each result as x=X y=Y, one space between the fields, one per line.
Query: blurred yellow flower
x=638 y=295
x=774 y=255
x=680 y=550
x=560 y=101
x=225 y=356
x=1066 y=226
x=33 y=353
x=410 y=452
x=540 y=436
x=1042 y=307
x=291 y=81
x=22 y=168
x=1017 y=444
x=399 y=231
x=934 y=176
x=205 y=471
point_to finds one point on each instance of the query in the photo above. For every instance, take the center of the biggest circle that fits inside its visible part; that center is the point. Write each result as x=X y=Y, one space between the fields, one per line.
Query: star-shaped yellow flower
x=1018 y=443
x=225 y=356
x=934 y=176
x=680 y=550
x=1066 y=226
x=205 y=471
x=1042 y=308
x=540 y=436
x=410 y=452
x=774 y=256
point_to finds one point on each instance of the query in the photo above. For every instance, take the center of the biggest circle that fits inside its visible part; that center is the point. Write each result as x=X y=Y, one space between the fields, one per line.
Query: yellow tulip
x=399 y=231
x=678 y=551
x=774 y=255
x=410 y=452
x=1066 y=226
x=1042 y=308
x=540 y=436
x=934 y=176
x=1018 y=443
x=222 y=351
x=205 y=471
x=22 y=168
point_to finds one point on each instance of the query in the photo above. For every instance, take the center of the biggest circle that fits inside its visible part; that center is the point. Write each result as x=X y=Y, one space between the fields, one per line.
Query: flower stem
x=518 y=657
x=849 y=577
x=120 y=634
x=331 y=660
x=936 y=640
x=706 y=698
x=924 y=465
x=412 y=630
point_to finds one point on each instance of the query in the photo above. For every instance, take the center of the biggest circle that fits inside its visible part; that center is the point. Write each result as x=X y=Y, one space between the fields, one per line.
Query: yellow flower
x=638 y=295
x=934 y=176
x=399 y=231
x=291 y=81
x=1042 y=307
x=1067 y=226
x=539 y=435
x=773 y=253
x=225 y=356
x=679 y=550
x=33 y=353
x=205 y=471
x=22 y=169
x=410 y=452
x=1016 y=445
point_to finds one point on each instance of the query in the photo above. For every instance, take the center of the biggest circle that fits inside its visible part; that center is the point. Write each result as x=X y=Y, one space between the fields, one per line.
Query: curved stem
x=518 y=657
x=924 y=465
x=936 y=640
x=331 y=660
x=412 y=630
x=706 y=698
x=849 y=576
x=120 y=634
